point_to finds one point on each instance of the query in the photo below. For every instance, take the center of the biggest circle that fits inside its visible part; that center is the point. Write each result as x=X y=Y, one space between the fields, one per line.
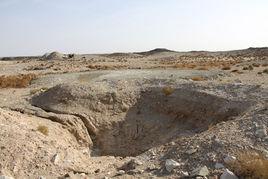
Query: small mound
x=53 y=56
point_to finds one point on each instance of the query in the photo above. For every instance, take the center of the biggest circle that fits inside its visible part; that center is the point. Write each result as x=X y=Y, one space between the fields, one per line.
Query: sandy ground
x=124 y=115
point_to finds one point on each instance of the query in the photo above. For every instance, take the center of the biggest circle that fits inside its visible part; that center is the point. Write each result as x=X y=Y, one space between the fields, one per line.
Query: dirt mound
x=53 y=56
x=127 y=123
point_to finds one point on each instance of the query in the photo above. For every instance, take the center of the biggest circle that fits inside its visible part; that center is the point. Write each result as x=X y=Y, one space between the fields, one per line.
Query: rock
x=227 y=174
x=97 y=171
x=261 y=133
x=171 y=164
x=121 y=172
x=172 y=143
x=124 y=107
x=5 y=177
x=184 y=174
x=55 y=159
x=229 y=159
x=201 y=171
x=191 y=151
x=219 y=166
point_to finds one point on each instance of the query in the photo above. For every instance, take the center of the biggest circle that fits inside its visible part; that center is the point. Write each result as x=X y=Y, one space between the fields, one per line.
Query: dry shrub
x=250 y=164
x=16 y=81
x=226 y=68
x=248 y=68
x=43 y=129
x=38 y=90
x=265 y=71
x=198 y=78
x=265 y=64
x=168 y=90
x=256 y=64
x=234 y=71
x=106 y=67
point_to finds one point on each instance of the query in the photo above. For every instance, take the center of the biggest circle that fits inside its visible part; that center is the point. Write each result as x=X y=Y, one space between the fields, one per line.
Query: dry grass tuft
x=250 y=165
x=256 y=65
x=198 y=78
x=226 y=68
x=168 y=90
x=234 y=71
x=43 y=129
x=16 y=81
x=38 y=90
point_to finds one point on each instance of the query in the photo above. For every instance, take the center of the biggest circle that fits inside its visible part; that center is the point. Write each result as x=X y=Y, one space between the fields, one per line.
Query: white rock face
x=171 y=164
x=227 y=174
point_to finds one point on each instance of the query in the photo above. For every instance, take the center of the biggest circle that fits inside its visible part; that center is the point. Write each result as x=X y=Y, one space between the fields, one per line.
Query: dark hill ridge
x=154 y=51
x=249 y=52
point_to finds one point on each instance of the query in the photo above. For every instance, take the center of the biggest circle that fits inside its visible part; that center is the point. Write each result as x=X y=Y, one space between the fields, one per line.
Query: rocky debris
x=171 y=164
x=219 y=166
x=227 y=174
x=229 y=159
x=131 y=165
x=200 y=171
x=191 y=151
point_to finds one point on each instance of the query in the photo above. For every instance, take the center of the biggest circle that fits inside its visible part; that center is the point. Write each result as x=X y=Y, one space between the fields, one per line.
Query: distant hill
x=154 y=51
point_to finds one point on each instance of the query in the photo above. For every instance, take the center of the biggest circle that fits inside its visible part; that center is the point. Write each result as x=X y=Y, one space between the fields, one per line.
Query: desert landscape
x=152 y=114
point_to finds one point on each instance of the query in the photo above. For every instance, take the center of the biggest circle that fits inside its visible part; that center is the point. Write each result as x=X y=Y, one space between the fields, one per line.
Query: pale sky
x=34 y=27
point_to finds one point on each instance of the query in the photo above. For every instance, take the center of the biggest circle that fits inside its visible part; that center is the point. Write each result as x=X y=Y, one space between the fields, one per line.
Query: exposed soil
x=123 y=115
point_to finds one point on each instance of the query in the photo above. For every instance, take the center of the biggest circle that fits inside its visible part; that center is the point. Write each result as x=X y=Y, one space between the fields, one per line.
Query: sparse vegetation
x=226 y=68
x=198 y=78
x=38 y=90
x=43 y=129
x=202 y=68
x=248 y=68
x=168 y=90
x=16 y=81
x=234 y=71
x=250 y=165
x=255 y=64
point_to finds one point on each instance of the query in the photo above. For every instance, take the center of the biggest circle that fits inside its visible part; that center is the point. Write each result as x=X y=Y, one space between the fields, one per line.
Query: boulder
x=227 y=174
x=171 y=164
x=200 y=171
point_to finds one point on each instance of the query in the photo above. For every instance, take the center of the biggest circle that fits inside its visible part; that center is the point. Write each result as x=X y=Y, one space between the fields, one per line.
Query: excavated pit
x=149 y=119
